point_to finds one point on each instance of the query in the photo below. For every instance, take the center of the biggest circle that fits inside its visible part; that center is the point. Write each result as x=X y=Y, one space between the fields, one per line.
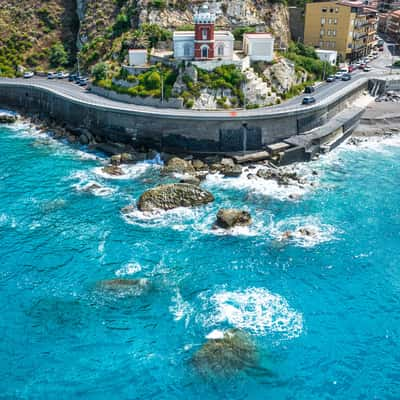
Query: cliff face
x=104 y=29
x=232 y=13
x=28 y=29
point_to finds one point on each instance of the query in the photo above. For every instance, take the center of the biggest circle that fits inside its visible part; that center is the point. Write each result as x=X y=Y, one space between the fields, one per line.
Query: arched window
x=187 y=49
x=204 y=52
x=220 y=50
x=204 y=34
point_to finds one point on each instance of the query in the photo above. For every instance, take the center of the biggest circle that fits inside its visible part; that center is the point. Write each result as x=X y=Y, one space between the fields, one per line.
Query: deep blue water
x=324 y=311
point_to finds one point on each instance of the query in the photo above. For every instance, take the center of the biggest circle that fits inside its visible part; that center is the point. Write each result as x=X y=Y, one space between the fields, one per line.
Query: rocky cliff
x=104 y=29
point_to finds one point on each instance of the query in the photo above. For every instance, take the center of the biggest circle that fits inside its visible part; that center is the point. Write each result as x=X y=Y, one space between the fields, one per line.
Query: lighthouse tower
x=204 y=37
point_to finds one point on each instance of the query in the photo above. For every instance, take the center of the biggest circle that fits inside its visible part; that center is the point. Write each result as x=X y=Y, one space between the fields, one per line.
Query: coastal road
x=325 y=93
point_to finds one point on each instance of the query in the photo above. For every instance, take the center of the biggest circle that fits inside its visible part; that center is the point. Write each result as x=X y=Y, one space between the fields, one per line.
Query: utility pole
x=162 y=85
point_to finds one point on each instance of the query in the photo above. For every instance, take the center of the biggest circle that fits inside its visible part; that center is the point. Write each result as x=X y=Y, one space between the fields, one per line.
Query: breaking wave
x=255 y=310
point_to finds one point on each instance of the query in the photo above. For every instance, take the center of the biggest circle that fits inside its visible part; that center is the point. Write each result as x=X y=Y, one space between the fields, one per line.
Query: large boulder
x=114 y=170
x=232 y=171
x=178 y=165
x=167 y=197
x=225 y=354
x=229 y=218
x=7 y=118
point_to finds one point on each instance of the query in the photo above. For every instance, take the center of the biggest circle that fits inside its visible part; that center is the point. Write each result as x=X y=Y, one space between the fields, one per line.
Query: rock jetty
x=170 y=196
x=6 y=118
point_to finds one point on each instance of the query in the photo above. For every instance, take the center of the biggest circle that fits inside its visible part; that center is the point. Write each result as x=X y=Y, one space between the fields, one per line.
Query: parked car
x=51 y=75
x=331 y=78
x=28 y=74
x=367 y=69
x=309 y=89
x=380 y=48
x=62 y=75
x=83 y=81
x=351 y=68
x=346 y=77
x=308 y=100
x=72 y=77
x=363 y=65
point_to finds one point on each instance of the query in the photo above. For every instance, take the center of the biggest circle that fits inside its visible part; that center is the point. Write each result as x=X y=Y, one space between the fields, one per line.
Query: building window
x=331 y=10
x=329 y=32
x=220 y=50
x=324 y=10
x=204 y=33
x=336 y=10
x=335 y=21
x=322 y=32
x=322 y=21
x=187 y=49
x=334 y=32
x=204 y=52
x=321 y=44
x=330 y=21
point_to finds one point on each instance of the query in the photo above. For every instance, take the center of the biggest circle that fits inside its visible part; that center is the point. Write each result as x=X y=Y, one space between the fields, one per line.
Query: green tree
x=100 y=71
x=153 y=81
x=58 y=55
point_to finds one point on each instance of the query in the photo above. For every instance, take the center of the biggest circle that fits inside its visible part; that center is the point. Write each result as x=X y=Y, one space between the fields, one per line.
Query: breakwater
x=174 y=130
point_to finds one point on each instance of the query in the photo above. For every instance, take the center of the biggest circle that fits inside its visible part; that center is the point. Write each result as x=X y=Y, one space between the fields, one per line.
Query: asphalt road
x=324 y=93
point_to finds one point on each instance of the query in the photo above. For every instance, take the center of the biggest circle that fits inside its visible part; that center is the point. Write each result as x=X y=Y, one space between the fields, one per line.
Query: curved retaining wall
x=172 y=130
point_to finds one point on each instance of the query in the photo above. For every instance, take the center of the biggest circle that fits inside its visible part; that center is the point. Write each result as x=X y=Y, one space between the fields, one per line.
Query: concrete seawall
x=176 y=130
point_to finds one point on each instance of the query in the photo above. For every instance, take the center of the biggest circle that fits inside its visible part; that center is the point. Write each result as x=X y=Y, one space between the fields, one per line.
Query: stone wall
x=141 y=101
x=175 y=130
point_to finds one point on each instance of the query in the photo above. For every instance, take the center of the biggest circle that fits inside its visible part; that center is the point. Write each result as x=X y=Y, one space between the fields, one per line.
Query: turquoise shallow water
x=323 y=311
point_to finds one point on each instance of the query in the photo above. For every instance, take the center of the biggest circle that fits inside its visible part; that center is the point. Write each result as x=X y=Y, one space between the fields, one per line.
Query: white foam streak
x=318 y=232
x=258 y=186
x=257 y=311
x=131 y=171
x=128 y=269
x=180 y=308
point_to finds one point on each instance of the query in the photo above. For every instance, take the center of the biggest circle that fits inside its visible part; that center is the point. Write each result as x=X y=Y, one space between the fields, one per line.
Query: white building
x=259 y=46
x=327 y=55
x=137 y=57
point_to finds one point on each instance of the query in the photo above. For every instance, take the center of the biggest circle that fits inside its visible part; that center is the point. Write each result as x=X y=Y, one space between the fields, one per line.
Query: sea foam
x=256 y=310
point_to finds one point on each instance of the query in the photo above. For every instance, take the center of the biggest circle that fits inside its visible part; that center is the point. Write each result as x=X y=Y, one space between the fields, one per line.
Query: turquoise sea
x=324 y=310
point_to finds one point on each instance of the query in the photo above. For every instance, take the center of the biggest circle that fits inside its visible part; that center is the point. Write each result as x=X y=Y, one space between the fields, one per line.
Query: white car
x=28 y=74
x=62 y=75
x=339 y=75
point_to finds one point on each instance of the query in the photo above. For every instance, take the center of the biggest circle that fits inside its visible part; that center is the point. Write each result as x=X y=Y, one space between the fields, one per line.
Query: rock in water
x=8 y=118
x=177 y=165
x=114 y=170
x=228 y=218
x=167 y=197
x=125 y=287
x=226 y=355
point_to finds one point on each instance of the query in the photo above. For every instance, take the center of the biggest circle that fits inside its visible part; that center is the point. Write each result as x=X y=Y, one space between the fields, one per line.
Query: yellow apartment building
x=346 y=26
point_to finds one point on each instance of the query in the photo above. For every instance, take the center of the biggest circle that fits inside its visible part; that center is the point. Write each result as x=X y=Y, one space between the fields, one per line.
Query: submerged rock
x=226 y=354
x=125 y=287
x=177 y=165
x=167 y=197
x=228 y=218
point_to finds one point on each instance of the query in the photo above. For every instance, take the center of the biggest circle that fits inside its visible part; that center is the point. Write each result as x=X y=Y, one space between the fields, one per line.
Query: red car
x=351 y=68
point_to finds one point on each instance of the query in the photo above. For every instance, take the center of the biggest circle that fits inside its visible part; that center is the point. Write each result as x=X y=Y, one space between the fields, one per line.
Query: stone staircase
x=257 y=91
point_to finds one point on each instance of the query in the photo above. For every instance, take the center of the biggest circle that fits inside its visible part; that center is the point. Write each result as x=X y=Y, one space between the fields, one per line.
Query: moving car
x=28 y=74
x=309 y=89
x=51 y=75
x=339 y=75
x=346 y=77
x=331 y=78
x=367 y=69
x=308 y=100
